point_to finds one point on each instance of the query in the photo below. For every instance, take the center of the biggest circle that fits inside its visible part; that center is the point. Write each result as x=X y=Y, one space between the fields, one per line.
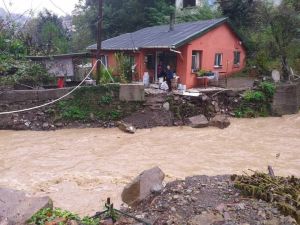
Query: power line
x=59 y=8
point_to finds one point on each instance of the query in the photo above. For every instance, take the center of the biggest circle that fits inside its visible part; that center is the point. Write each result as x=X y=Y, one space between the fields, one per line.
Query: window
x=189 y=3
x=196 y=61
x=104 y=60
x=218 y=59
x=237 y=58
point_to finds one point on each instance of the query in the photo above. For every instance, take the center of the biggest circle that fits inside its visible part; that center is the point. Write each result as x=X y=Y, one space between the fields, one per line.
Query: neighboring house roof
x=61 y=56
x=160 y=36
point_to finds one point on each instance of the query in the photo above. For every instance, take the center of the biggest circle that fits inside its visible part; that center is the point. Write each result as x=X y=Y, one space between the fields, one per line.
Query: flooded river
x=79 y=169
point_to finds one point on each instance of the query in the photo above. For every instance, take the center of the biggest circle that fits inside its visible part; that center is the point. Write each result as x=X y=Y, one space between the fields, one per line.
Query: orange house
x=210 y=45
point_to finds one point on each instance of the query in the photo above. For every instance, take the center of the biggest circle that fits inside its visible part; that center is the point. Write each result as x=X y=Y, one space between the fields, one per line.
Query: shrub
x=254 y=96
x=268 y=89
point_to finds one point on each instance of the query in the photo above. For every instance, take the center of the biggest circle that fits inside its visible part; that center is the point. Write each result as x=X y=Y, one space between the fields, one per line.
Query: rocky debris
x=16 y=207
x=220 y=120
x=199 y=121
x=206 y=218
x=143 y=185
x=126 y=127
x=207 y=200
x=166 y=106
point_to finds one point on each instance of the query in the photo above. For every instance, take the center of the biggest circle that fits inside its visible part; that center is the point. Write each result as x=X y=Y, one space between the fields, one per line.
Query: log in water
x=79 y=169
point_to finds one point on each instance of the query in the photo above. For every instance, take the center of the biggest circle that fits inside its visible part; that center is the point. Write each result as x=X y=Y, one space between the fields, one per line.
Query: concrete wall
x=128 y=92
x=132 y=92
x=16 y=96
x=286 y=99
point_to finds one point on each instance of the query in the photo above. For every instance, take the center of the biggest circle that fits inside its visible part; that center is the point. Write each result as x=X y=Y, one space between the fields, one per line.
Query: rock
x=205 y=98
x=206 y=219
x=45 y=126
x=140 y=188
x=16 y=207
x=157 y=189
x=226 y=216
x=59 y=125
x=126 y=127
x=220 y=121
x=221 y=208
x=166 y=106
x=173 y=209
x=198 y=121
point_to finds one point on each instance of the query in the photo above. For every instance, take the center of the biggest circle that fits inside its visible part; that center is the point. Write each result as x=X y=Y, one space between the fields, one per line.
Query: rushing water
x=79 y=169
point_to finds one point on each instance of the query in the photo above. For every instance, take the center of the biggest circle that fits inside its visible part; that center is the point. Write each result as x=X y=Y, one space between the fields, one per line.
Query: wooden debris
x=283 y=192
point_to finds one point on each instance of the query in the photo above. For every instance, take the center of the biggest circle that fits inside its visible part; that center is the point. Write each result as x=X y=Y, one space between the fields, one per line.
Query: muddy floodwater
x=80 y=168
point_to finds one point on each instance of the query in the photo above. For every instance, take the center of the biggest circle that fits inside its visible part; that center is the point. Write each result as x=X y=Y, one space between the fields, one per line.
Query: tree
x=284 y=23
x=46 y=35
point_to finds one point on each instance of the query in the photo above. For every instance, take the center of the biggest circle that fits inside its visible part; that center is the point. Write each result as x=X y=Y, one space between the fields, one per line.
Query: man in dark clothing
x=169 y=77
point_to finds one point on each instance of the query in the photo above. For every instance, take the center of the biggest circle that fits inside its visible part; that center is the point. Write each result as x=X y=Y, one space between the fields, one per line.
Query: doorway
x=165 y=58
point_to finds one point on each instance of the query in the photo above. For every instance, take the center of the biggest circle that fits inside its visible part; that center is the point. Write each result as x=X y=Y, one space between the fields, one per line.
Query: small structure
x=64 y=65
x=189 y=48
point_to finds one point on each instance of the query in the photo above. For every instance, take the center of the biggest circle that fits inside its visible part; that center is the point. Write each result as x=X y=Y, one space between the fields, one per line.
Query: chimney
x=172 y=21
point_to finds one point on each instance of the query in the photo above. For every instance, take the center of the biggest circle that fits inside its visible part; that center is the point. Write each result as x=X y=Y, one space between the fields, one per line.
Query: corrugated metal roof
x=160 y=36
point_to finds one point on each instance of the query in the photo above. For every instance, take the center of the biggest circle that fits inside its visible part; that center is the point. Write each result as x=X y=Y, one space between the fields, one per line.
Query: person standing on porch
x=169 y=77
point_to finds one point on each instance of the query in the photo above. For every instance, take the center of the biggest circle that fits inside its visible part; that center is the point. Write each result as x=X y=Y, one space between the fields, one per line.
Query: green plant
x=106 y=99
x=74 y=113
x=48 y=215
x=268 y=89
x=201 y=73
x=123 y=69
x=254 y=96
x=90 y=221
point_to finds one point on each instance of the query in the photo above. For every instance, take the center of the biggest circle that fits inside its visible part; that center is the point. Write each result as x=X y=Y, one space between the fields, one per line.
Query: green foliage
x=48 y=215
x=89 y=221
x=254 y=96
x=124 y=64
x=199 y=13
x=256 y=103
x=268 y=89
x=106 y=100
x=24 y=72
x=106 y=75
x=102 y=102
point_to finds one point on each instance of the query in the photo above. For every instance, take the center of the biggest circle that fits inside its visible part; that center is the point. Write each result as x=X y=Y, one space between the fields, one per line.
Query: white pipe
x=173 y=50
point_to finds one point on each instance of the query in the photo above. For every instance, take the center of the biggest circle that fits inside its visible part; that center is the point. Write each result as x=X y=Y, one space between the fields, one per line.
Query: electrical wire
x=62 y=97
x=59 y=8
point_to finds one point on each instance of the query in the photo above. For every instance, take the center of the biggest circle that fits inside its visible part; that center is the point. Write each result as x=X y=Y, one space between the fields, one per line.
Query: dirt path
x=80 y=168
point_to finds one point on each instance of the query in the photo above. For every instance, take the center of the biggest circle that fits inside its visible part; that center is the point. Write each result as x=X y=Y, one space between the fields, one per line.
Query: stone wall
x=128 y=92
x=286 y=99
x=15 y=96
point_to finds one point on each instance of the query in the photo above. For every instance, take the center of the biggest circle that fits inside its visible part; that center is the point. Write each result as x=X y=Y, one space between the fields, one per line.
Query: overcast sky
x=20 y=6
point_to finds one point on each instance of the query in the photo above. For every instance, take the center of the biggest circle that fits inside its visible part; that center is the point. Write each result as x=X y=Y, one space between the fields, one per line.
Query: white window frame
x=235 y=54
x=104 y=60
x=196 y=60
x=218 y=60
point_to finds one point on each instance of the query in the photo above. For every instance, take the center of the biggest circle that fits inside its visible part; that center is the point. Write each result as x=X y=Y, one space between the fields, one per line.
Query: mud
x=80 y=168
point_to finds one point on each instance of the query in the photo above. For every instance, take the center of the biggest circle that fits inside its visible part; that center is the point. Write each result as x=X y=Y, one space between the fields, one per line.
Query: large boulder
x=199 y=121
x=221 y=121
x=142 y=186
x=16 y=207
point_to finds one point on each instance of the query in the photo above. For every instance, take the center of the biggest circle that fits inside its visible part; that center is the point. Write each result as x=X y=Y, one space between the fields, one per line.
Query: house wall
x=219 y=40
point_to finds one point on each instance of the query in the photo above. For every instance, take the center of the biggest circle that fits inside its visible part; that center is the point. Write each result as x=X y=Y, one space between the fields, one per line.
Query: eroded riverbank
x=78 y=169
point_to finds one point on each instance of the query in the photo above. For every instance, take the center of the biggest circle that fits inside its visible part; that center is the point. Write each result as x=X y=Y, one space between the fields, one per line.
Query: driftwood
x=282 y=192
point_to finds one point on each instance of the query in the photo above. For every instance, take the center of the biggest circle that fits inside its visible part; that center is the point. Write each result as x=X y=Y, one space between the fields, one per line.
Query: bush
x=257 y=102
x=254 y=96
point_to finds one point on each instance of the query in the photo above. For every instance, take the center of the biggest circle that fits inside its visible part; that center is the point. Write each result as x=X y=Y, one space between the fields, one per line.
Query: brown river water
x=80 y=168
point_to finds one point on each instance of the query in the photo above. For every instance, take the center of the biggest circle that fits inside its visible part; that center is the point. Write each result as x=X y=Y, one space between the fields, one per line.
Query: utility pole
x=99 y=40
